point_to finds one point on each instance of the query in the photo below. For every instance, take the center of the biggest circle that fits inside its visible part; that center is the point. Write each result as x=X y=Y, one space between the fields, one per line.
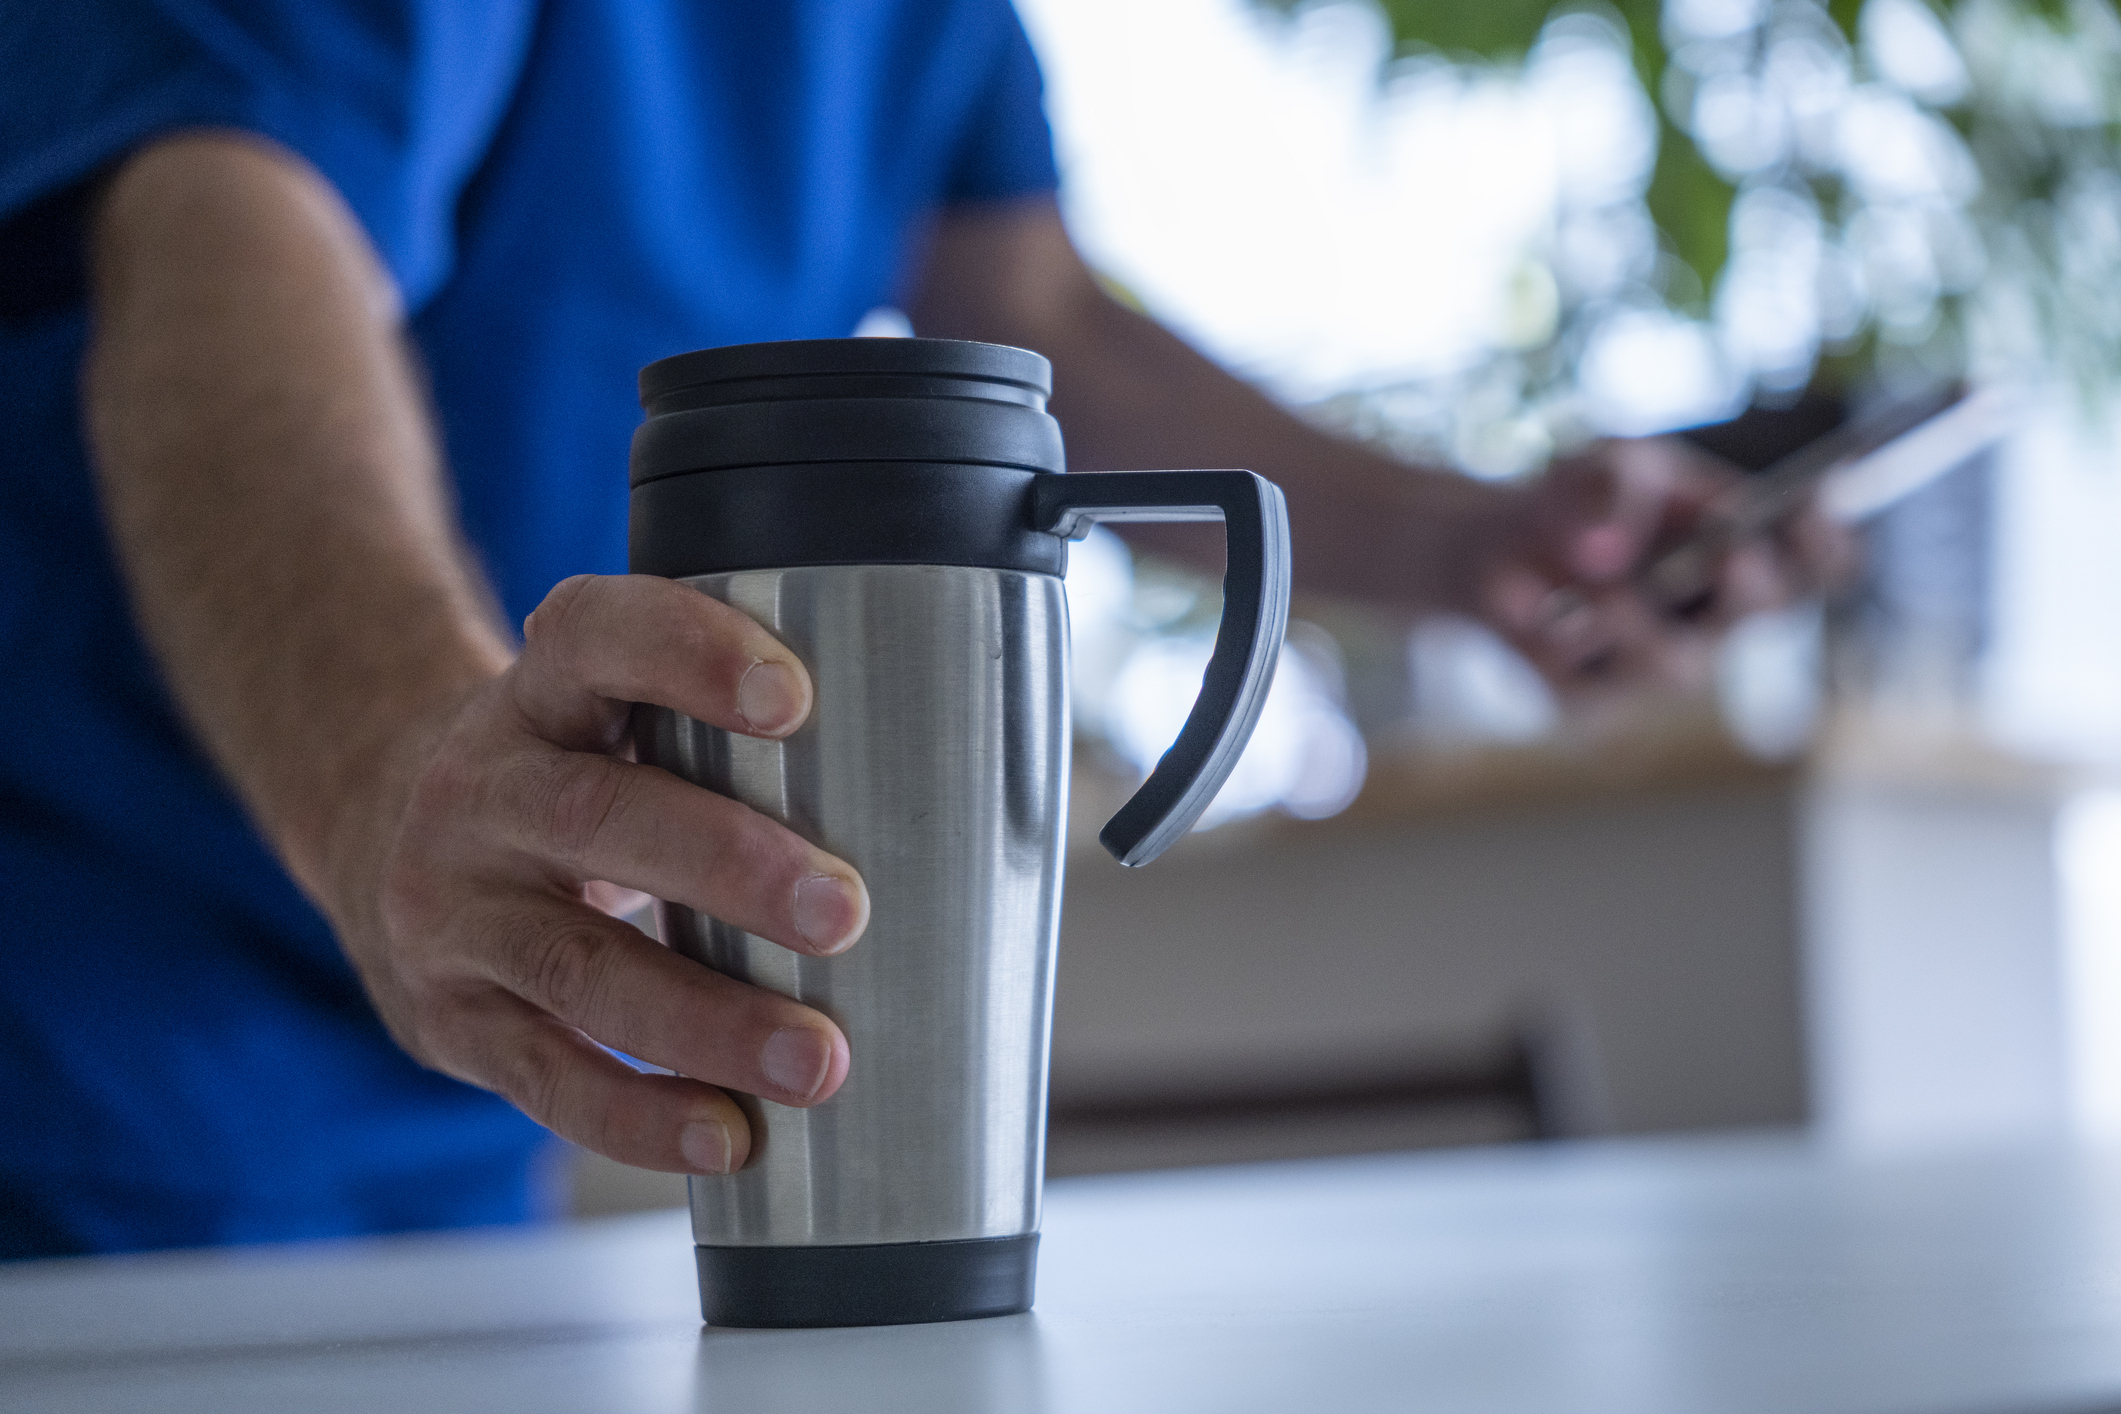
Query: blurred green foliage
x=2039 y=121
x=1687 y=197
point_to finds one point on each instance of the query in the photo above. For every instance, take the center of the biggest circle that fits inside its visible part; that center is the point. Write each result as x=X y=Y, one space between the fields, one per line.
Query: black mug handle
x=1247 y=643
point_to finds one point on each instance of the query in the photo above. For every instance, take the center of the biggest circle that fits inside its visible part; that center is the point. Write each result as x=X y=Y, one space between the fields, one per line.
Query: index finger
x=601 y=641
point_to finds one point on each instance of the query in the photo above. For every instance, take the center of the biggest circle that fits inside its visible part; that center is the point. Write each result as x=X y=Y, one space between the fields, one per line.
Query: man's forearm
x=272 y=484
x=275 y=494
x=1132 y=394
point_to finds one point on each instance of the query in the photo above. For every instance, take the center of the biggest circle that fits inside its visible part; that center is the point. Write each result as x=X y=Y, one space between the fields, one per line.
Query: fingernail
x=705 y=1145
x=770 y=698
x=795 y=1058
x=828 y=913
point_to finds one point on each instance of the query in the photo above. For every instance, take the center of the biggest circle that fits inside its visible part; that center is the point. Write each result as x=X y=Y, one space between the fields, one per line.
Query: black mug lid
x=843 y=451
x=841 y=368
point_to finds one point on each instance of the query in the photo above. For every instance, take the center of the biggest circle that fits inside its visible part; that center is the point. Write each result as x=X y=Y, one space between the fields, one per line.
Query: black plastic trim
x=885 y=1284
x=754 y=366
x=792 y=388
x=782 y=432
x=840 y=513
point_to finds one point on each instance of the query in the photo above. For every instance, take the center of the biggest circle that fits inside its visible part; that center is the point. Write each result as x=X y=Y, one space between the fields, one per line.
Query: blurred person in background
x=319 y=325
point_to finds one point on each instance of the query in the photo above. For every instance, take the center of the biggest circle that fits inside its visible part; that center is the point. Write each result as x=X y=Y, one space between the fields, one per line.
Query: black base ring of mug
x=880 y=1284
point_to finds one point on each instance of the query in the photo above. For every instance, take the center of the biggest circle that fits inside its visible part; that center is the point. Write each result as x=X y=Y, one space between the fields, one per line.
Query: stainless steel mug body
x=934 y=761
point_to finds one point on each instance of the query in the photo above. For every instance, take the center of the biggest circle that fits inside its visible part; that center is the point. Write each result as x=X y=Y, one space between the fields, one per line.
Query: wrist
x=1398 y=533
x=1464 y=526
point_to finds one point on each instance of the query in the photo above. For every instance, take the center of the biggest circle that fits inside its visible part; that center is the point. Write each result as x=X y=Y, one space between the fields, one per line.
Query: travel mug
x=896 y=512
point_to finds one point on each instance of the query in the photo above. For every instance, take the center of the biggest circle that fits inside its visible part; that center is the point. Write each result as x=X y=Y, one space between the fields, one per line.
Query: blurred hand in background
x=1564 y=581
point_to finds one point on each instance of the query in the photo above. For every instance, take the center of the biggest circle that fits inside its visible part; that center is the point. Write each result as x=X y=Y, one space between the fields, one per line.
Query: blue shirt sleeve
x=393 y=101
x=1008 y=147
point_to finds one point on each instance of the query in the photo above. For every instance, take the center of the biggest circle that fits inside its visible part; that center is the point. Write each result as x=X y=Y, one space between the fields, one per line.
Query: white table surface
x=1694 y=1277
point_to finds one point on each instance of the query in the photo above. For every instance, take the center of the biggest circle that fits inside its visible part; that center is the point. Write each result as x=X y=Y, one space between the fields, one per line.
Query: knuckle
x=568 y=970
x=550 y=624
x=537 y=1083
x=580 y=798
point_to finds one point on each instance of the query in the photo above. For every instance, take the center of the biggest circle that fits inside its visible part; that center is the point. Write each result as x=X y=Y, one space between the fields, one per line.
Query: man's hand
x=484 y=957
x=1563 y=579
x=275 y=496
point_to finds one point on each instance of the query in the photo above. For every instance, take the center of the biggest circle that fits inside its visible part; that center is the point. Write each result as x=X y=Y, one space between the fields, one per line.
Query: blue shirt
x=564 y=190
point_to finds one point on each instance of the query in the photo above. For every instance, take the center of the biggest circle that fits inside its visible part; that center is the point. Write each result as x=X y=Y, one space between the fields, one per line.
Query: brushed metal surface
x=935 y=761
